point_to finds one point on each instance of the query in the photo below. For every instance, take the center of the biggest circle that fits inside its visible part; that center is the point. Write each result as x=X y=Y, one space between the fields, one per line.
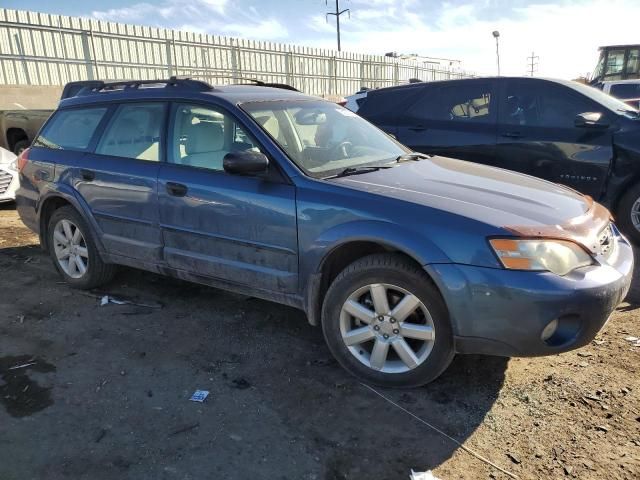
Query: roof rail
x=260 y=83
x=88 y=87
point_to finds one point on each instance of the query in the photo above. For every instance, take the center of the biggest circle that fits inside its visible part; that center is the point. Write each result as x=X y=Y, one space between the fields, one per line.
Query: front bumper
x=504 y=312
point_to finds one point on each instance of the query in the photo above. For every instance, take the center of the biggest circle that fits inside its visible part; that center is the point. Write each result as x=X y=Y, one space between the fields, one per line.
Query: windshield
x=605 y=99
x=323 y=138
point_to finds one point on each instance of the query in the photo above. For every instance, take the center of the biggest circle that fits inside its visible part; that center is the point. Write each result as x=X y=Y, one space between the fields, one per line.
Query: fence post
x=288 y=67
x=87 y=54
x=167 y=44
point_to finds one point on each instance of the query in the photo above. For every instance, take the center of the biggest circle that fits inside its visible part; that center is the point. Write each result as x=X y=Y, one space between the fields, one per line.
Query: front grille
x=5 y=181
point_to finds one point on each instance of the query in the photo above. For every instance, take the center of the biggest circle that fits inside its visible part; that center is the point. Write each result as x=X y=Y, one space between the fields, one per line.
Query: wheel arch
x=342 y=253
x=55 y=200
x=14 y=135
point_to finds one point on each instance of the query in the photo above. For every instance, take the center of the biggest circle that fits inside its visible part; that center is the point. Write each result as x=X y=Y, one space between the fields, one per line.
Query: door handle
x=513 y=135
x=87 y=175
x=418 y=128
x=176 y=189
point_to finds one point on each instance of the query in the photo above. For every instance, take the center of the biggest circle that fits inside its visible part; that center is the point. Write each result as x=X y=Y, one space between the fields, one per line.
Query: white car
x=354 y=101
x=626 y=90
x=8 y=176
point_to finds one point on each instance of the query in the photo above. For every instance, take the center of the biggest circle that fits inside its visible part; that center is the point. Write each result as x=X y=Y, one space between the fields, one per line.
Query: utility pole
x=496 y=35
x=532 y=63
x=337 y=14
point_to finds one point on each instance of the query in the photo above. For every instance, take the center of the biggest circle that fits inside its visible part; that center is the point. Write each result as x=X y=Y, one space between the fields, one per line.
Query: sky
x=564 y=34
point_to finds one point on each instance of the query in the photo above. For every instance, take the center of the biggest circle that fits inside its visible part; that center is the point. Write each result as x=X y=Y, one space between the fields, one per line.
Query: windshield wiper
x=358 y=170
x=413 y=156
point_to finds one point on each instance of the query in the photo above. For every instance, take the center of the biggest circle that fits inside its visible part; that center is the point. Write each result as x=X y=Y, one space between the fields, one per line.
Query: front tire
x=628 y=213
x=74 y=252
x=385 y=322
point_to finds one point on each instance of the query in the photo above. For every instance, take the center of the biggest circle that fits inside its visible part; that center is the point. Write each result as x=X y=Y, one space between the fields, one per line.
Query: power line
x=337 y=14
x=532 y=63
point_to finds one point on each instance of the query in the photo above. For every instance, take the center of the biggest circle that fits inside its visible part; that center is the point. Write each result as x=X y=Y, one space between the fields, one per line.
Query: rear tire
x=74 y=251
x=376 y=340
x=20 y=146
x=628 y=214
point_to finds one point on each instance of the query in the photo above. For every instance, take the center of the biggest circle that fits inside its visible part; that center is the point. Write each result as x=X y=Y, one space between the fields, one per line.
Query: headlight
x=14 y=165
x=557 y=256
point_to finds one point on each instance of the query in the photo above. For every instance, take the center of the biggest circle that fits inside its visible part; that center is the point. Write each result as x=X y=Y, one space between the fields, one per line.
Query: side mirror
x=591 y=120
x=245 y=162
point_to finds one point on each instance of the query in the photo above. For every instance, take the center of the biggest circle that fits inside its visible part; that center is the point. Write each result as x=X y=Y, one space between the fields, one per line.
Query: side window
x=134 y=132
x=470 y=102
x=202 y=136
x=542 y=106
x=70 y=129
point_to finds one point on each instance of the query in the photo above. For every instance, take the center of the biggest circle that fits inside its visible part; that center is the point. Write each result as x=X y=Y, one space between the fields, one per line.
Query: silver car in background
x=8 y=176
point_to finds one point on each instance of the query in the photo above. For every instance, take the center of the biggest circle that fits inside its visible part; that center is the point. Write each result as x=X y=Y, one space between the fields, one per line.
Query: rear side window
x=470 y=102
x=626 y=90
x=70 y=129
x=134 y=132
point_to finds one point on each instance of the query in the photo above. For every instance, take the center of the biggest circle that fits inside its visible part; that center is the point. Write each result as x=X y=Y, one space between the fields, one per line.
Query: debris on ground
x=422 y=475
x=107 y=299
x=240 y=383
x=635 y=341
x=199 y=396
x=184 y=429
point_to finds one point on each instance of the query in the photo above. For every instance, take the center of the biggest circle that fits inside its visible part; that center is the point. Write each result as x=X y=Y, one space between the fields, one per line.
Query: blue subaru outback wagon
x=404 y=259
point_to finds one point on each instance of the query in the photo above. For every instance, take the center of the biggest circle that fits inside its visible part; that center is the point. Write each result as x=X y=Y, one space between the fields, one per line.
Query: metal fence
x=43 y=49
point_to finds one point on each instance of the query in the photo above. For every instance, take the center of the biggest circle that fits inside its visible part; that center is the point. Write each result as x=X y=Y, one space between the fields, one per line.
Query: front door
x=118 y=181
x=537 y=135
x=456 y=119
x=239 y=229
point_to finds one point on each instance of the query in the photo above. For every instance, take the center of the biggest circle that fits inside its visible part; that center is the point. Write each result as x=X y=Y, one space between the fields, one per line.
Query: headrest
x=204 y=137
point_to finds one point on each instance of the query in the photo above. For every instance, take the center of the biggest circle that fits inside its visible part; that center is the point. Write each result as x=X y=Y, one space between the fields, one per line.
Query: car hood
x=490 y=195
x=6 y=157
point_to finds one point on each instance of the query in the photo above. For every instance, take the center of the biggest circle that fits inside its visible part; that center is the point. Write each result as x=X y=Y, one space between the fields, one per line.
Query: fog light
x=549 y=330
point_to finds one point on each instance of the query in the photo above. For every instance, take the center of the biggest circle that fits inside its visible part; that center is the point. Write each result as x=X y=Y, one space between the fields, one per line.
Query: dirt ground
x=102 y=392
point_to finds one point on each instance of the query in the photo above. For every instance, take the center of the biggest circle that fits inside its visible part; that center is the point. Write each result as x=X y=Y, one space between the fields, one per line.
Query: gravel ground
x=103 y=392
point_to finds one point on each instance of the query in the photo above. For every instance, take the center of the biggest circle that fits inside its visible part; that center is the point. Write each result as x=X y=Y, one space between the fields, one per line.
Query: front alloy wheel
x=385 y=322
x=387 y=328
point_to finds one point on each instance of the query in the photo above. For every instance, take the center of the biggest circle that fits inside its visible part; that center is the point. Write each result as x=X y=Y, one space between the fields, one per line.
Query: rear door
x=239 y=229
x=119 y=180
x=455 y=119
x=537 y=135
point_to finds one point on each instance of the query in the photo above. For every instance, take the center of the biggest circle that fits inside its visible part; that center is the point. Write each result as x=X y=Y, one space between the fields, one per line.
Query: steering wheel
x=343 y=149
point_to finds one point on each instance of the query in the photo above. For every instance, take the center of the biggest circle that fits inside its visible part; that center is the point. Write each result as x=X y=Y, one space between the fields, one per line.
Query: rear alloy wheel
x=73 y=251
x=70 y=248
x=628 y=214
x=385 y=322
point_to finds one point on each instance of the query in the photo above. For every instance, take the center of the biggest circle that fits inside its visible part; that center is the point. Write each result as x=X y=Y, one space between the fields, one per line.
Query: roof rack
x=87 y=87
x=260 y=83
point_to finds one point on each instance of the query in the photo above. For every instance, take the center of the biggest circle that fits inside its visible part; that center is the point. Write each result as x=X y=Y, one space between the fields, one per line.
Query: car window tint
x=134 y=132
x=542 y=106
x=469 y=102
x=202 y=136
x=626 y=90
x=70 y=129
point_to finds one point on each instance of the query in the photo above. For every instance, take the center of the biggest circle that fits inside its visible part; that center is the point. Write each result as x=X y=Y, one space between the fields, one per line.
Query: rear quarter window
x=70 y=129
x=385 y=105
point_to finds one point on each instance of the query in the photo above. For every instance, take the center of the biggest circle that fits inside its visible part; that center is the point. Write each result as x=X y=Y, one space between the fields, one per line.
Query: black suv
x=561 y=131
